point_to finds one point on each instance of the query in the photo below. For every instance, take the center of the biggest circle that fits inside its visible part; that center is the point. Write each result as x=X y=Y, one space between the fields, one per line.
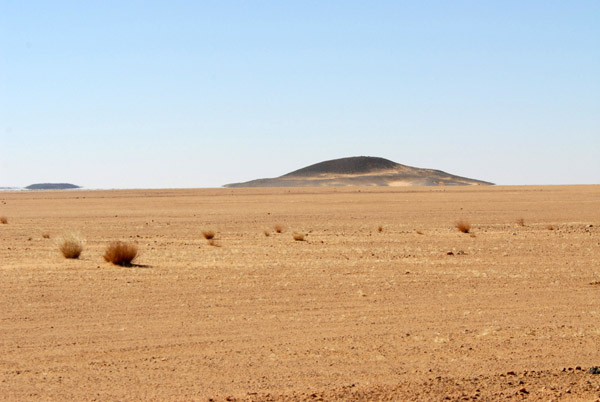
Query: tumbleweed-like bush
x=463 y=226
x=120 y=253
x=70 y=246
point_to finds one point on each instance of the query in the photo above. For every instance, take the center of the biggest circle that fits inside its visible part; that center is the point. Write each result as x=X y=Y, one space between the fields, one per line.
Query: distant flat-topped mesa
x=361 y=171
x=52 y=186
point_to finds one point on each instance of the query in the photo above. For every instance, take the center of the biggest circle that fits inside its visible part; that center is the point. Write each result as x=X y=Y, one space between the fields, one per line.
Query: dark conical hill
x=344 y=166
x=362 y=171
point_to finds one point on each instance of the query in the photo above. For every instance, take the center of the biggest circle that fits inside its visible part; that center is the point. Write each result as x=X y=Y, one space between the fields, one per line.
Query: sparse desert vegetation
x=298 y=236
x=46 y=235
x=380 y=228
x=121 y=253
x=208 y=234
x=463 y=226
x=71 y=246
x=521 y=222
x=242 y=320
x=3 y=220
x=278 y=228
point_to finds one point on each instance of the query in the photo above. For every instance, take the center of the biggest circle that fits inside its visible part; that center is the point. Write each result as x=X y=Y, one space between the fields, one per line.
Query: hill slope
x=361 y=171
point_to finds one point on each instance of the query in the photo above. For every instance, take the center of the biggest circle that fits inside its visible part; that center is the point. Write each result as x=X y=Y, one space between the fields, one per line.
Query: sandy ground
x=351 y=313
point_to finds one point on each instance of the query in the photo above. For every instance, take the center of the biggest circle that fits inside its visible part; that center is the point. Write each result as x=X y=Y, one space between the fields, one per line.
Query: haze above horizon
x=199 y=94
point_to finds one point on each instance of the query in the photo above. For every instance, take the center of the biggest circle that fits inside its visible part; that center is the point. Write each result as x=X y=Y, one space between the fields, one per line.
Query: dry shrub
x=550 y=227
x=46 y=235
x=463 y=226
x=208 y=234
x=3 y=220
x=70 y=246
x=267 y=233
x=419 y=232
x=278 y=228
x=120 y=253
x=380 y=228
x=521 y=222
x=298 y=236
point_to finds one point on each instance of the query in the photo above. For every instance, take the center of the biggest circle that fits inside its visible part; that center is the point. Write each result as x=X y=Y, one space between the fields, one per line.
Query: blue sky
x=156 y=94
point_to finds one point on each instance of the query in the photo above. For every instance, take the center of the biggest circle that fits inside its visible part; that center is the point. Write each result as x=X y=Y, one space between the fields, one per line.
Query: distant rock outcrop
x=362 y=171
x=52 y=186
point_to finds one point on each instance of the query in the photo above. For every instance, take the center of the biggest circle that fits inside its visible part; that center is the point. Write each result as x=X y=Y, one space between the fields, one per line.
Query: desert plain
x=384 y=299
